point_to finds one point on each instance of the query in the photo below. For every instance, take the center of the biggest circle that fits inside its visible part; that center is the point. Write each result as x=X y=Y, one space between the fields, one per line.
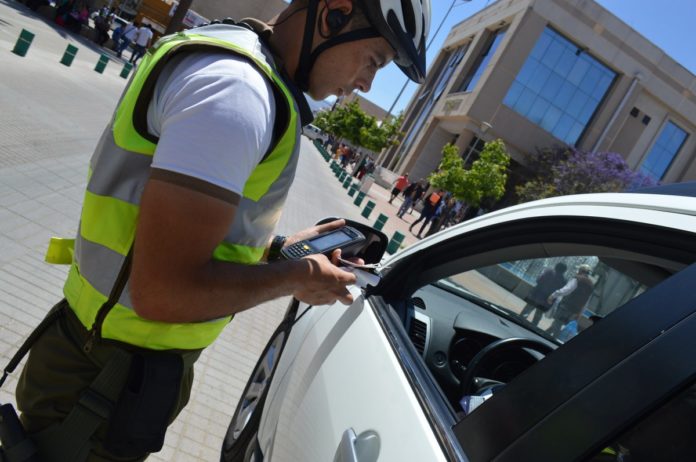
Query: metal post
x=69 y=55
x=126 y=70
x=101 y=64
x=368 y=209
x=395 y=242
x=23 y=43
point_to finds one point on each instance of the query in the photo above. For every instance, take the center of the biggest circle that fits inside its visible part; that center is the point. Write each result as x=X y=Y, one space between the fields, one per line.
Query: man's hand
x=324 y=283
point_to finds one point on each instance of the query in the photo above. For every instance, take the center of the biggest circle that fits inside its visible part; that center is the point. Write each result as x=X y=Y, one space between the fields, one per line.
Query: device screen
x=330 y=240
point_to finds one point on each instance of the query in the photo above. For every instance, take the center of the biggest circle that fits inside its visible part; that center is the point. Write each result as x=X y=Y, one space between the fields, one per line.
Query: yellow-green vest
x=119 y=170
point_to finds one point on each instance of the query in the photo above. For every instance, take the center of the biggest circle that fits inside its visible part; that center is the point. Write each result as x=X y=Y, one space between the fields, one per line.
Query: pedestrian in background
x=412 y=193
x=549 y=281
x=399 y=185
x=575 y=295
x=143 y=38
x=430 y=206
x=127 y=38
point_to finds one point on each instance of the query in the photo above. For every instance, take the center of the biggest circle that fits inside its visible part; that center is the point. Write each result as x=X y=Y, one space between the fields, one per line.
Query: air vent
x=418 y=302
x=417 y=334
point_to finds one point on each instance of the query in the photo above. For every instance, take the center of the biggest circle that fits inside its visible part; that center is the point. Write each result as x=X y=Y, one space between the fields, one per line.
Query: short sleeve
x=213 y=114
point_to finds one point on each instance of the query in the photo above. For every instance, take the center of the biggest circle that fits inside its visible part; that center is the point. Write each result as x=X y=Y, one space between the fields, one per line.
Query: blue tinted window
x=559 y=87
x=513 y=94
x=482 y=61
x=663 y=151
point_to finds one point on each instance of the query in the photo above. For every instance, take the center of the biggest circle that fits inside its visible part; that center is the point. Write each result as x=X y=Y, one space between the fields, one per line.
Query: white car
x=437 y=363
x=313 y=133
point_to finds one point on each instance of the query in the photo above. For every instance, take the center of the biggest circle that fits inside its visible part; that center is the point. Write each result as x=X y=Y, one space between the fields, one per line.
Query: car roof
x=647 y=206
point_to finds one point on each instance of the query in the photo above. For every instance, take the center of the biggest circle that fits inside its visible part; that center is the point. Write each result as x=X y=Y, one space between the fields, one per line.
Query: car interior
x=464 y=312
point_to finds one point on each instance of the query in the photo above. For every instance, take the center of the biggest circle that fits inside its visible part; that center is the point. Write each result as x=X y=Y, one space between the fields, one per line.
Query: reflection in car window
x=666 y=435
x=546 y=301
x=562 y=296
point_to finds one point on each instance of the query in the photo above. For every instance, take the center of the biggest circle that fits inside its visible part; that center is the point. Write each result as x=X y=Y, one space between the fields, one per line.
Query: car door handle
x=358 y=448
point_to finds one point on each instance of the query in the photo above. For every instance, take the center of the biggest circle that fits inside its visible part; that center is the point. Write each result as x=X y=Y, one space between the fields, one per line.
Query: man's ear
x=335 y=15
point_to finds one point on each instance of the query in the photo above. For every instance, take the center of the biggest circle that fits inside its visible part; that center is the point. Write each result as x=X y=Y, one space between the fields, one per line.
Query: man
x=127 y=36
x=185 y=188
x=575 y=295
x=430 y=206
x=537 y=300
x=412 y=194
x=142 y=42
x=399 y=185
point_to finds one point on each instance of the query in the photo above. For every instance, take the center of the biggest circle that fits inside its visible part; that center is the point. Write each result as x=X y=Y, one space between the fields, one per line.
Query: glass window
x=560 y=72
x=440 y=82
x=666 y=434
x=482 y=61
x=668 y=144
x=554 y=299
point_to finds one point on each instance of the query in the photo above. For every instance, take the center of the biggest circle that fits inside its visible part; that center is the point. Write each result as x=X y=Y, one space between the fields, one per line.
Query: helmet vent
x=409 y=19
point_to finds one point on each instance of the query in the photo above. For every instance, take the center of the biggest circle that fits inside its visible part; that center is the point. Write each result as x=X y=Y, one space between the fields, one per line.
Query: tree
x=563 y=171
x=351 y=123
x=485 y=179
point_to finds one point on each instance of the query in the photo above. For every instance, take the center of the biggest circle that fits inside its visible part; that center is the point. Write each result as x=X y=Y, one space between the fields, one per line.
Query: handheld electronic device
x=345 y=238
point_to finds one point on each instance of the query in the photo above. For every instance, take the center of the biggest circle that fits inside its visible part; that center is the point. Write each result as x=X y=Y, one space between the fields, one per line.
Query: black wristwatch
x=276 y=245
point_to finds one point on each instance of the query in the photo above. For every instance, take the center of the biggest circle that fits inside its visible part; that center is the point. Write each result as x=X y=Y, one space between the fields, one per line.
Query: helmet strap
x=305 y=64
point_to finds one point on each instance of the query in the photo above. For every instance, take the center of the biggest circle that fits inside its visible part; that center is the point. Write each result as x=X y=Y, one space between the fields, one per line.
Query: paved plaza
x=51 y=118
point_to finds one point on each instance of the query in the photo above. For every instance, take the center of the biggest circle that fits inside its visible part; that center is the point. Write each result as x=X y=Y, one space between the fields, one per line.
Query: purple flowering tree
x=564 y=171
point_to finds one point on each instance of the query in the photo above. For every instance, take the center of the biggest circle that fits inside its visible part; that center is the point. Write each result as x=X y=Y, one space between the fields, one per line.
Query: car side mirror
x=375 y=241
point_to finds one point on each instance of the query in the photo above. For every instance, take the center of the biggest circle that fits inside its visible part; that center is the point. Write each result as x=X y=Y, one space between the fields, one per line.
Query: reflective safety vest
x=119 y=169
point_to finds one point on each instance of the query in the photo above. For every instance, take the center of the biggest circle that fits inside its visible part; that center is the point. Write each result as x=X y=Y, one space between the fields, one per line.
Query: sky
x=669 y=24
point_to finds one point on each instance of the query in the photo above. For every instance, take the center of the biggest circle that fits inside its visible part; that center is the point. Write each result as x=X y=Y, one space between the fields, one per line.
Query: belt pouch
x=147 y=402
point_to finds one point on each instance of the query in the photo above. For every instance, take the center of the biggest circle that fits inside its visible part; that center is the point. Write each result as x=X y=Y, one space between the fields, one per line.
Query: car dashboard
x=448 y=330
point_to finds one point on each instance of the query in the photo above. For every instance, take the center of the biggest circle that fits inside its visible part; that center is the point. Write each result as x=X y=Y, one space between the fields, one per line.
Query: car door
x=573 y=403
x=340 y=393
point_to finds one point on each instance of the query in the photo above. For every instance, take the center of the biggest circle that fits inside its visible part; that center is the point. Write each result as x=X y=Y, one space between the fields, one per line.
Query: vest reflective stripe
x=119 y=171
x=124 y=325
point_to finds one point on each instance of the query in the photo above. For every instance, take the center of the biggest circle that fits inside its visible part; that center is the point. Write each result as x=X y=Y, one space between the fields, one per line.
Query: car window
x=666 y=434
x=547 y=300
x=562 y=296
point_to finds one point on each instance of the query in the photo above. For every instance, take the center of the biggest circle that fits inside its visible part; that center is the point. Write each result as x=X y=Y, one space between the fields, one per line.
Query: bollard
x=353 y=188
x=358 y=200
x=101 y=64
x=381 y=221
x=126 y=70
x=368 y=209
x=69 y=55
x=23 y=43
x=395 y=242
x=348 y=181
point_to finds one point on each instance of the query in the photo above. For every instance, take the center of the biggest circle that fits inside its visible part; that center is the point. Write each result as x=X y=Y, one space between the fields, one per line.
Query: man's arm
x=175 y=279
x=563 y=291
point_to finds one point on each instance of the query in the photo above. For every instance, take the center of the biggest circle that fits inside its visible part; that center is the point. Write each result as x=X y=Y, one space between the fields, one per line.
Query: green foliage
x=485 y=178
x=351 y=123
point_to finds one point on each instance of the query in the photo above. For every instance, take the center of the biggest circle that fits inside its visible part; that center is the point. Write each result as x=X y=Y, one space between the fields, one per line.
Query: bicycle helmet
x=403 y=23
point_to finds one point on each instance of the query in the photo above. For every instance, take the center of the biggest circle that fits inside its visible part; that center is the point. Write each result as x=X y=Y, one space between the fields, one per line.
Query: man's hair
x=561 y=267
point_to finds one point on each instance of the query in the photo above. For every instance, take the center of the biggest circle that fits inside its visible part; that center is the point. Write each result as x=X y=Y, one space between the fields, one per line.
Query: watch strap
x=277 y=244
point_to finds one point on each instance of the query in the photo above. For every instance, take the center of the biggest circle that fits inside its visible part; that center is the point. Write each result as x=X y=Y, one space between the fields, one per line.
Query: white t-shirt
x=129 y=32
x=143 y=36
x=214 y=115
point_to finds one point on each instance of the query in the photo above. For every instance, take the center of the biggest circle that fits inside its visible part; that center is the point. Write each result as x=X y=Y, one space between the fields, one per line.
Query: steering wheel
x=513 y=343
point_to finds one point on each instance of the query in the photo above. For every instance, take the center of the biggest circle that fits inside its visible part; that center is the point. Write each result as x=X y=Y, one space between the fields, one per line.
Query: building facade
x=545 y=73
x=365 y=104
